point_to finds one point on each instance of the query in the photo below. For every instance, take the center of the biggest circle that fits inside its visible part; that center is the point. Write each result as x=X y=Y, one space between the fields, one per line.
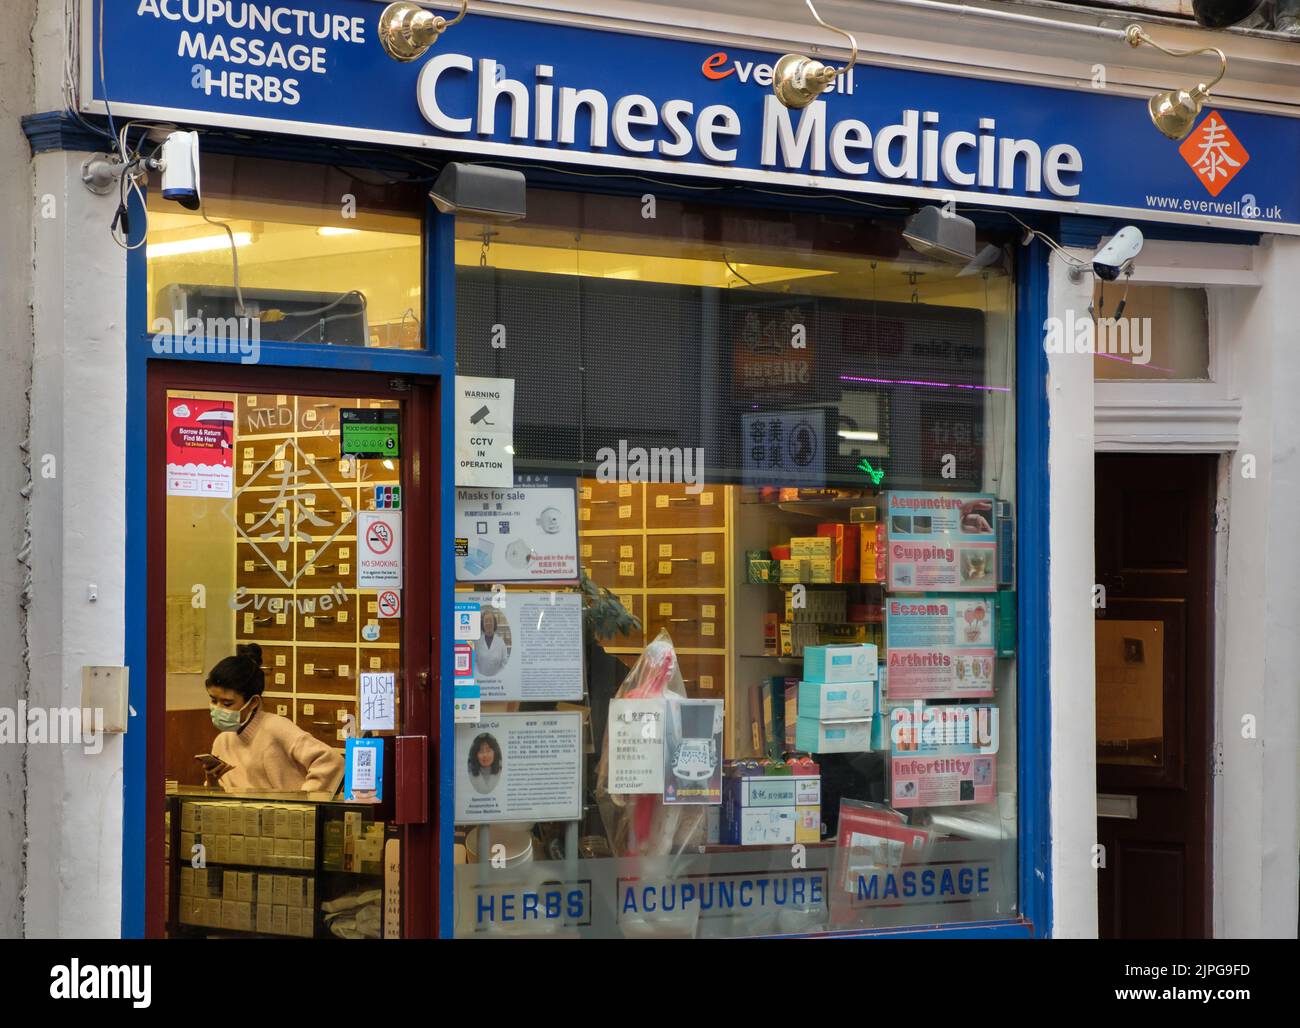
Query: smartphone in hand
x=213 y=767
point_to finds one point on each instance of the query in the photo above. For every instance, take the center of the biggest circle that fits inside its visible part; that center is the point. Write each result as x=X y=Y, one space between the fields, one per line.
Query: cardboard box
x=763 y=808
x=833 y=736
x=821 y=571
x=831 y=664
x=844 y=549
x=280 y=919
x=811 y=546
x=871 y=553
x=838 y=701
x=264 y=917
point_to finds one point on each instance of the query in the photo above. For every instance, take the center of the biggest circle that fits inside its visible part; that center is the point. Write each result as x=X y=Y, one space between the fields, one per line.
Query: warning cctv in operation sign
x=485 y=431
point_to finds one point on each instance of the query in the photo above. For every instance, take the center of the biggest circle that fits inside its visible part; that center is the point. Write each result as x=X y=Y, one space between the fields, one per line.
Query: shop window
x=1161 y=334
x=298 y=253
x=750 y=435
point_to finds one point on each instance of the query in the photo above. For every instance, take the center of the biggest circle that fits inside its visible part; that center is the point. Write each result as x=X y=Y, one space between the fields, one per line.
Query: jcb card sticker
x=469 y=622
x=379 y=536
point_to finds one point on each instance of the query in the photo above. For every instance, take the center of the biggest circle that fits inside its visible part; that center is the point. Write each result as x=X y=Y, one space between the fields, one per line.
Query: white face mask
x=224 y=720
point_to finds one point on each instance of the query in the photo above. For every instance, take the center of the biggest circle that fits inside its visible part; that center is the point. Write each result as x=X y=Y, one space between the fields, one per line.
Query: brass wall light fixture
x=1174 y=111
x=797 y=80
x=407 y=30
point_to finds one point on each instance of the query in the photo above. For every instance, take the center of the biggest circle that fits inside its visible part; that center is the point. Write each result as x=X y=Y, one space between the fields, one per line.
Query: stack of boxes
x=246 y=901
x=265 y=834
x=770 y=803
x=259 y=834
x=838 y=697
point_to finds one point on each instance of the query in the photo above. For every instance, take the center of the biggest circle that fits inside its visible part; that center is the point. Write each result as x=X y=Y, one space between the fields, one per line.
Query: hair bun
x=252 y=651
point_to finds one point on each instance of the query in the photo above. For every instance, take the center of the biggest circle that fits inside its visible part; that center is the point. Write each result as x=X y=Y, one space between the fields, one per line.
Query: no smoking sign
x=380 y=552
x=390 y=604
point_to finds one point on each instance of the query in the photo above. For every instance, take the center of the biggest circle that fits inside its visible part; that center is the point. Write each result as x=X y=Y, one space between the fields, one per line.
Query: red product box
x=845 y=559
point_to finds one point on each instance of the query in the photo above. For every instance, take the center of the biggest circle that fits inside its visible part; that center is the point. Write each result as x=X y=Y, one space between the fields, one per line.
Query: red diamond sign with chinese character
x=1214 y=153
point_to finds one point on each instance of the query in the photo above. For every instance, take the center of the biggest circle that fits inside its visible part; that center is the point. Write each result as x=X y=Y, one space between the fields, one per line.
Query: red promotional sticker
x=200 y=447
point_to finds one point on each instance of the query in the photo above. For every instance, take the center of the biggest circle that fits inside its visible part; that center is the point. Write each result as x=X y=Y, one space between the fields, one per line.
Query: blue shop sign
x=521 y=90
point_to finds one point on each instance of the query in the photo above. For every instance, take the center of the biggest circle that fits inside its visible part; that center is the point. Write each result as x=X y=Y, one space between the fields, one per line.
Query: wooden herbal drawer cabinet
x=613 y=560
x=322 y=453
x=264 y=414
x=254 y=570
x=321 y=414
x=263 y=616
x=635 y=604
x=327 y=669
x=326 y=568
x=323 y=511
x=319 y=622
x=704 y=674
x=686 y=561
x=252 y=454
x=671 y=506
x=261 y=513
x=695 y=621
x=609 y=506
x=390 y=629
x=376 y=659
x=325 y=719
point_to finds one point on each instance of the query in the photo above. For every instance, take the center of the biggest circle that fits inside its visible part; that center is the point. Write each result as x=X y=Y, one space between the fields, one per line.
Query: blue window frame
x=437 y=361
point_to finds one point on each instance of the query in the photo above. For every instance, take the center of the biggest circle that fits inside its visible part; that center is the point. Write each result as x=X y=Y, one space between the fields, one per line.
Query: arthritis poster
x=939 y=647
x=200 y=448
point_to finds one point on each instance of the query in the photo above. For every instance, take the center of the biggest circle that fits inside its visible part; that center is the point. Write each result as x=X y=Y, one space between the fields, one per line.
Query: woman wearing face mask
x=258 y=750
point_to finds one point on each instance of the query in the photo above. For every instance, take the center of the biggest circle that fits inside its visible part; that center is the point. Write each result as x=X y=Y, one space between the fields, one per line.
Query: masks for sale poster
x=525 y=534
x=200 y=448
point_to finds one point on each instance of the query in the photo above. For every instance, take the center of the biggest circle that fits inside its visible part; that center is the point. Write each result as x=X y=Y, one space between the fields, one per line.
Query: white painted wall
x=78 y=413
x=16 y=99
x=1256 y=816
x=1070 y=581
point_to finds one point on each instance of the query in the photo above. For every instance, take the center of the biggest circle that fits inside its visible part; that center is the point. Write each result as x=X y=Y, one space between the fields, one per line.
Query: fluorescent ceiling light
x=203 y=244
x=331 y=230
x=856 y=436
x=684 y=271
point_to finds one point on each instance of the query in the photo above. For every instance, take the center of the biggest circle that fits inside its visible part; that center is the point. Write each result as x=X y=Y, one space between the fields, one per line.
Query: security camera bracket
x=100 y=173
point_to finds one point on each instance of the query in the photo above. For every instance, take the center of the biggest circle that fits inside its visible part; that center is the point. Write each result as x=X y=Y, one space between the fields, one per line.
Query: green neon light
x=876 y=476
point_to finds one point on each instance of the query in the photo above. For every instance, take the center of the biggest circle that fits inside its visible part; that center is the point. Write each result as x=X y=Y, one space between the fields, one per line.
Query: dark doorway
x=1154 y=643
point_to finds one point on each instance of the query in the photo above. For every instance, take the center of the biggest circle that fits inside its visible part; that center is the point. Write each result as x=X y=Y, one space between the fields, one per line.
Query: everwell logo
x=1214 y=153
x=719 y=66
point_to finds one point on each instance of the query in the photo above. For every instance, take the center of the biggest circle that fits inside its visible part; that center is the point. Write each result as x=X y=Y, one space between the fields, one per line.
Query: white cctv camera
x=180 y=169
x=1116 y=257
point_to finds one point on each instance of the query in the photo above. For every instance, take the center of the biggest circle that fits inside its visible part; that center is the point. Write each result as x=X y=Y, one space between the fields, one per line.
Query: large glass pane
x=760 y=434
x=305 y=253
